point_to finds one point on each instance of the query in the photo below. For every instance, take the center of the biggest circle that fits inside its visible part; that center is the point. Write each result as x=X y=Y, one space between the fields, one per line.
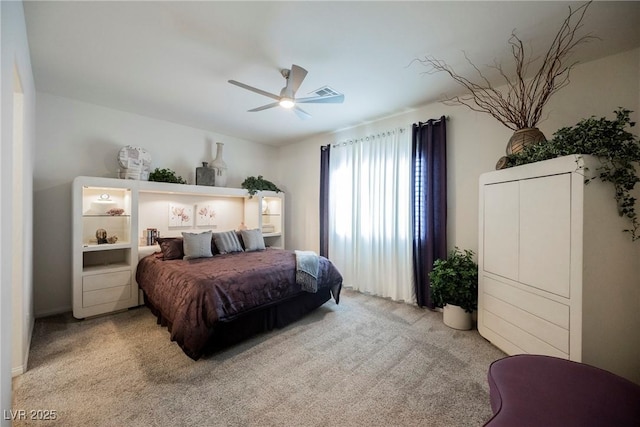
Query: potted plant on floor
x=454 y=286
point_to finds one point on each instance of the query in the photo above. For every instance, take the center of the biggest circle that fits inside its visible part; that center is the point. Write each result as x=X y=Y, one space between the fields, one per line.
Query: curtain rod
x=372 y=135
x=446 y=118
x=388 y=132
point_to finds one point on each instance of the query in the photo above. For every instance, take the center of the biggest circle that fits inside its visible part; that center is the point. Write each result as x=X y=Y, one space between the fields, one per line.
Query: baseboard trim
x=18 y=370
x=53 y=311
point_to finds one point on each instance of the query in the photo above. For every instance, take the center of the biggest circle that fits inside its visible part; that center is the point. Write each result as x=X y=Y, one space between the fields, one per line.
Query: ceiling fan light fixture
x=287 y=98
x=287 y=103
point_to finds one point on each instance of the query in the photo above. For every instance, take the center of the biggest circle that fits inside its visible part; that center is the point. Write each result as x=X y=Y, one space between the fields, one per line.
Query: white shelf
x=186 y=189
x=271 y=234
x=109 y=268
x=99 y=264
x=92 y=247
x=86 y=215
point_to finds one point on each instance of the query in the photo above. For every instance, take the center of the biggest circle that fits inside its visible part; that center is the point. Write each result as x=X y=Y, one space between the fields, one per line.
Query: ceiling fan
x=287 y=98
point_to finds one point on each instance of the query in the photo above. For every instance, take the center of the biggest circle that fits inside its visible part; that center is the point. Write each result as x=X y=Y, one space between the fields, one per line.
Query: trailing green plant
x=253 y=185
x=617 y=150
x=166 y=175
x=455 y=280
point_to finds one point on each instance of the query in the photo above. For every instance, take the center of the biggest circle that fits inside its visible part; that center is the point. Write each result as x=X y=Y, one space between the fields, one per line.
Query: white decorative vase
x=219 y=167
x=455 y=317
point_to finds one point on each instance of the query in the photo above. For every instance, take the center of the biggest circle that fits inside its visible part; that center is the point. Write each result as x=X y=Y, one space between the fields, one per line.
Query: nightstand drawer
x=106 y=280
x=104 y=296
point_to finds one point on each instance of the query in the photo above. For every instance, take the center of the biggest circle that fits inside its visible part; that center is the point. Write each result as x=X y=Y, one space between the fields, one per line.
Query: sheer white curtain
x=370 y=237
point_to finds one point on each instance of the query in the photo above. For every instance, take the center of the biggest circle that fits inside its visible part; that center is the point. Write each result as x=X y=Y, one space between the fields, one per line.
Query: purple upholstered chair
x=543 y=391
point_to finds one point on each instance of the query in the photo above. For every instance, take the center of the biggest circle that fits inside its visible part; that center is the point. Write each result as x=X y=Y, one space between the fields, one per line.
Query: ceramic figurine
x=101 y=236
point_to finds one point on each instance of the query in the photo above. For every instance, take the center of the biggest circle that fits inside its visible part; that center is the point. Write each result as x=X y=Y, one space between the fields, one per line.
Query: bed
x=212 y=302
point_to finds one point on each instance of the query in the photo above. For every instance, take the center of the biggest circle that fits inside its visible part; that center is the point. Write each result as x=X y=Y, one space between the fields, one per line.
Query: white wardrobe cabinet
x=557 y=275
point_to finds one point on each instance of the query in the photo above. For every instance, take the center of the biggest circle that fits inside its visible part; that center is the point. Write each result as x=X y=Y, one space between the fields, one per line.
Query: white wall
x=153 y=208
x=16 y=166
x=474 y=143
x=76 y=138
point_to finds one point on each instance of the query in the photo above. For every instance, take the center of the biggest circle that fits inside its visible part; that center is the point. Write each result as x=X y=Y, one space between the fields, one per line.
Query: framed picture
x=205 y=215
x=180 y=215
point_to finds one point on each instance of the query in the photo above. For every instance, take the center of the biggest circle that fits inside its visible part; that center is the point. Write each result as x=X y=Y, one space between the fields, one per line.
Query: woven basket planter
x=523 y=137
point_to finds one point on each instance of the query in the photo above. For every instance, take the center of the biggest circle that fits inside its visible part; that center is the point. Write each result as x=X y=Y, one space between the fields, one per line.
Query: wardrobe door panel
x=501 y=229
x=545 y=233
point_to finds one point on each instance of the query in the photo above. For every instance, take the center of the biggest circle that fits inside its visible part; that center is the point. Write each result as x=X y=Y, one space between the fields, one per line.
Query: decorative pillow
x=171 y=247
x=239 y=234
x=253 y=240
x=214 y=248
x=227 y=242
x=197 y=245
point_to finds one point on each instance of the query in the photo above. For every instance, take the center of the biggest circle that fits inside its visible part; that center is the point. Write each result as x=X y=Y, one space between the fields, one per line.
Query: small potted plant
x=166 y=175
x=454 y=286
x=253 y=185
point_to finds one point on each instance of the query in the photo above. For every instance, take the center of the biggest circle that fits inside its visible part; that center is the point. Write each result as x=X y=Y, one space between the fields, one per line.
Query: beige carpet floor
x=366 y=362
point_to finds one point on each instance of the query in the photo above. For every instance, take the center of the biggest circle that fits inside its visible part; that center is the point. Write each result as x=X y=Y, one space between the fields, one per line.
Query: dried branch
x=521 y=104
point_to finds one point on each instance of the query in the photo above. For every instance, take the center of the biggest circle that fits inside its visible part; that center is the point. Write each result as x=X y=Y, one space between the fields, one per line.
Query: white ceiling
x=172 y=60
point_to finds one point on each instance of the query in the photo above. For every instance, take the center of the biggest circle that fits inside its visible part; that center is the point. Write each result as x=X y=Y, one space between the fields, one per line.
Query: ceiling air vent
x=325 y=91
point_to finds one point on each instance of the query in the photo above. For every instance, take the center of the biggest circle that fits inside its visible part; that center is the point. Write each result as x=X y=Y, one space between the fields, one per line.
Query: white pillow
x=197 y=245
x=253 y=240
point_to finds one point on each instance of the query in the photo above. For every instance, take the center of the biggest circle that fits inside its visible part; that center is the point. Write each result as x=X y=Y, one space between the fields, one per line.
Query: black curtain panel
x=324 y=200
x=429 y=185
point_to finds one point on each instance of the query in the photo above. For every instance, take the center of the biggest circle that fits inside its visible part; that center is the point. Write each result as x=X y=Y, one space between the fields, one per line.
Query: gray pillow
x=197 y=245
x=227 y=242
x=253 y=240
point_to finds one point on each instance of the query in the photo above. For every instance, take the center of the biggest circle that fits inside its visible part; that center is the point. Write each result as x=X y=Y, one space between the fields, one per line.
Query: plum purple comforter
x=191 y=296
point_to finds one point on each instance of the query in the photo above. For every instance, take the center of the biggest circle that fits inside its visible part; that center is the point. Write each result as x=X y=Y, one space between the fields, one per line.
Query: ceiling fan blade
x=264 y=107
x=301 y=113
x=296 y=76
x=256 y=90
x=331 y=99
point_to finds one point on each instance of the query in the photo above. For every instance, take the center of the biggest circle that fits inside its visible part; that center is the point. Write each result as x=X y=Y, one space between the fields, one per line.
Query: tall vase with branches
x=519 y=101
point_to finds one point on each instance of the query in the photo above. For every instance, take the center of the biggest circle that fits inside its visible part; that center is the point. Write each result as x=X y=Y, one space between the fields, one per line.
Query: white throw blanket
x=307 y=263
